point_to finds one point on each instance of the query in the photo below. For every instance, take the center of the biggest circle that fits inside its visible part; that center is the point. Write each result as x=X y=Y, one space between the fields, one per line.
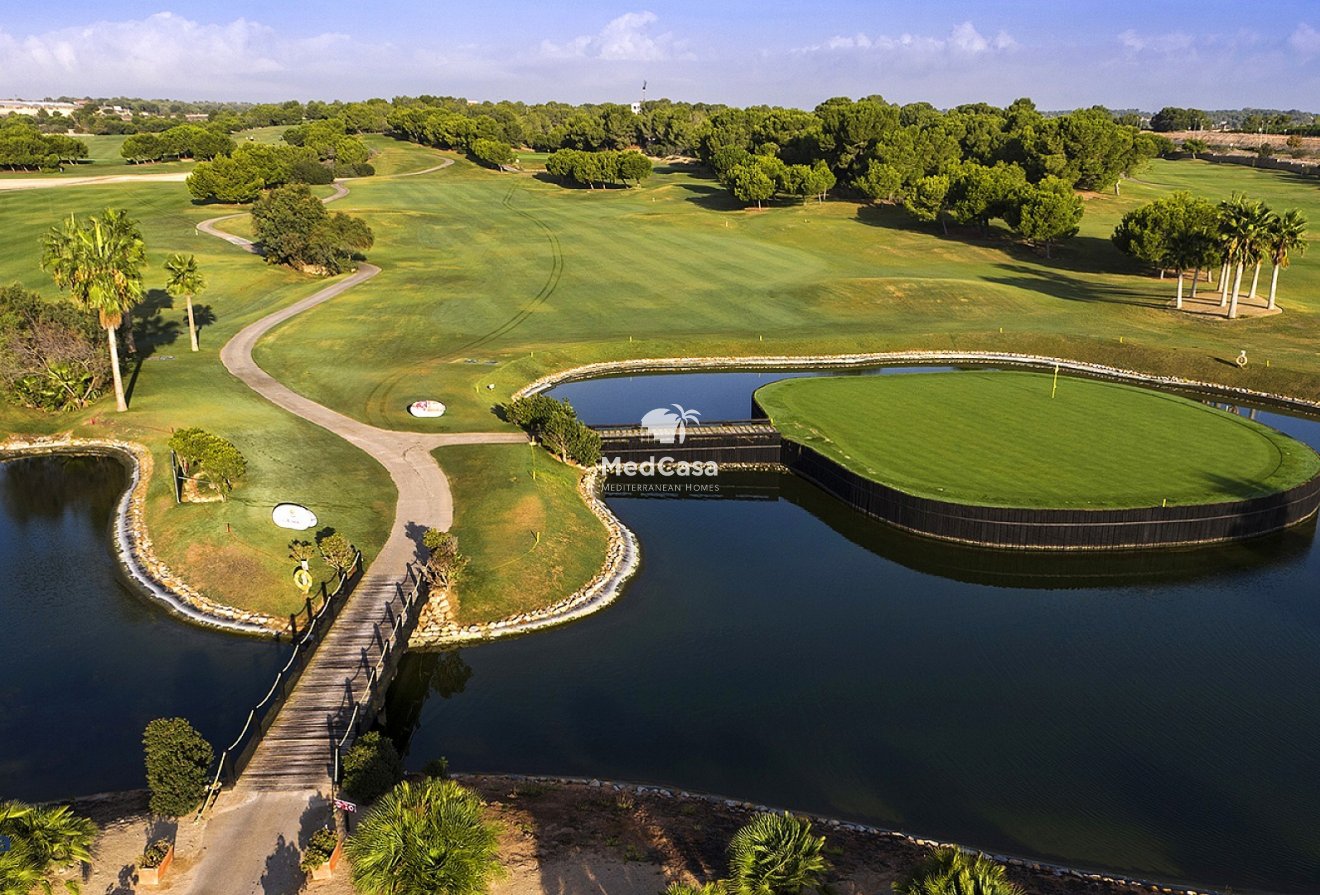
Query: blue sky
x=1065 y=53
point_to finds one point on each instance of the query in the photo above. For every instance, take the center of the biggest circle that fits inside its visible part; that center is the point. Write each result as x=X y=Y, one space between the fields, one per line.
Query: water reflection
x=998 y=568
x=87 y=660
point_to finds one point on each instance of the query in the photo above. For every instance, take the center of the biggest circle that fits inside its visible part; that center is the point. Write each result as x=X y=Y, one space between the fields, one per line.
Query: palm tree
x=186 y=280
x=775 y=854
x=951 y=871
x=1285 y=237
x=425 y=838
x=44 y=840
x=1241 y=225
x=99 y=263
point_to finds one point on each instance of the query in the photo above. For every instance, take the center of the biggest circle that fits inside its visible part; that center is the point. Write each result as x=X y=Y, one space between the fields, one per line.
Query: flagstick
x=1055 y=387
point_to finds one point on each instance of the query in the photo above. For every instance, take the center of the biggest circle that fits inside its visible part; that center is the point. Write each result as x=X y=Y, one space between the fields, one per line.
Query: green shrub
x=951 y=871
x=42 y=842
x=775 y=854
x=336 y=550
x=155 y=854
x=426 y=838
x=178 y=760
x=371 y=768
x=319 y=849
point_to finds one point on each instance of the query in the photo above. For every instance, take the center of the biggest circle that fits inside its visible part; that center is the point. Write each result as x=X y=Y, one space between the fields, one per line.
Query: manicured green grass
x=231 y=550
x=518 y=517
x=494 y=279
x=1010 y=439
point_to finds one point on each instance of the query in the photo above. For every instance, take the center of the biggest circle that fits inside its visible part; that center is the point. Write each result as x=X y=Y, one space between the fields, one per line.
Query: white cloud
x=963 y=41
x=169 y=54
x=1173 y=42
x=627 y=38
x=1305 y=40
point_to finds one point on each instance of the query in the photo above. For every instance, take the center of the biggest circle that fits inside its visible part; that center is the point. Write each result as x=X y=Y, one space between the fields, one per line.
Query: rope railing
x=233 y=759
x=391 y=648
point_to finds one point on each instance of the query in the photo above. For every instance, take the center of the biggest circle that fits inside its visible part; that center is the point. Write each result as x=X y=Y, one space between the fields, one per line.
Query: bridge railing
x=263 y=714
x=394 y=645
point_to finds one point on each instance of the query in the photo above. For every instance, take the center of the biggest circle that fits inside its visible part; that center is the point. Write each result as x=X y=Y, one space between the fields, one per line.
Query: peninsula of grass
x=1009 y=439
x=529 y=538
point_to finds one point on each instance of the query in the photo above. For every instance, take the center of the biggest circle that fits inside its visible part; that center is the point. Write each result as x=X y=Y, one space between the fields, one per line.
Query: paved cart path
x=256 y=830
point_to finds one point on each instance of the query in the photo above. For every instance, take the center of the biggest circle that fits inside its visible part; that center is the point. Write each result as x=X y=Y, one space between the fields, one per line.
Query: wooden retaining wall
x=1051 y=529
x=745 y=442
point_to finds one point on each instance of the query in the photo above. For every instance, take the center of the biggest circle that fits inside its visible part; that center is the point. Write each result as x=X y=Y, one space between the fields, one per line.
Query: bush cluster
x=556 y=426
x=51 y=355
x=344 y=154
x=492 y=153
x=371 y=768
x=209 y=457
x=319 y=848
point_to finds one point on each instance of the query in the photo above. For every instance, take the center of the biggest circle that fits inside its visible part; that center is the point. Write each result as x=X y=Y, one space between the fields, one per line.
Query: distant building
x=637 y=108
x=197 y=116
x=33 y=107
x=117 y=111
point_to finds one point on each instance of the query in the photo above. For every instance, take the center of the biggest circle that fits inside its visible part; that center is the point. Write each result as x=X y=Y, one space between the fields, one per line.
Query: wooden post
x=293 y=626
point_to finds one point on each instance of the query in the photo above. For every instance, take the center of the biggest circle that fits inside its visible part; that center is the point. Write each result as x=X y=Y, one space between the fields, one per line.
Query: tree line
x=602 y=167
x=188 y=141
x=23 y=147
x=312 y=153
x=1183 y=233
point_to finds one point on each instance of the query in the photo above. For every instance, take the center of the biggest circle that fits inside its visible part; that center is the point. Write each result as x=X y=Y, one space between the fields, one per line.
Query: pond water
x=1155 y=713
x=87 y=662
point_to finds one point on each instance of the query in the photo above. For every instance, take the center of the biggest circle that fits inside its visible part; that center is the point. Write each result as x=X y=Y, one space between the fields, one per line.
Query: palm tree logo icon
x=668 y=427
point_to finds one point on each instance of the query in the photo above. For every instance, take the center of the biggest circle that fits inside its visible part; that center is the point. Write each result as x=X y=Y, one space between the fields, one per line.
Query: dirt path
x=41 y=183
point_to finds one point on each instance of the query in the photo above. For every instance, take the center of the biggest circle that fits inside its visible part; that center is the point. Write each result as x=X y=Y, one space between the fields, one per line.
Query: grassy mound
x=999 y=439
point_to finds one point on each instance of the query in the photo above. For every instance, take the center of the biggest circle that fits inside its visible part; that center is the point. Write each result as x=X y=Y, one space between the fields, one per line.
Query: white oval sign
x=426 y=408
x=291 y=515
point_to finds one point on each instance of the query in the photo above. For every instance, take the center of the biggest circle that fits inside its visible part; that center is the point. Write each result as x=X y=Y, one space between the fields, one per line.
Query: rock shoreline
x=436 y=629
x=133 y=545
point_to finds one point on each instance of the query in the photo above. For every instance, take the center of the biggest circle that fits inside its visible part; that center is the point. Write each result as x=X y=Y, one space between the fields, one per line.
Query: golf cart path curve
x=290 y=770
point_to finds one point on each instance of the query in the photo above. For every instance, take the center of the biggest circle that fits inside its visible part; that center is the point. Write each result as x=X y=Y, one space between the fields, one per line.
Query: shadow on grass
x=150 y=332
x=1068 y=288
x=711 y=197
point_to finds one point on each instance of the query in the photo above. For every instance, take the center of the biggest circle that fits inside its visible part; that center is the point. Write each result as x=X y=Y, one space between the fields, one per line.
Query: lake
x=88 y=661
x=1154 y=713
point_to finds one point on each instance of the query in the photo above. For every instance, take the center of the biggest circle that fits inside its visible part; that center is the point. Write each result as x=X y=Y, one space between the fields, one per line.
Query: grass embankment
x=530 y=539
x=495 y=279
x=1007 y=439
x=230 y=550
